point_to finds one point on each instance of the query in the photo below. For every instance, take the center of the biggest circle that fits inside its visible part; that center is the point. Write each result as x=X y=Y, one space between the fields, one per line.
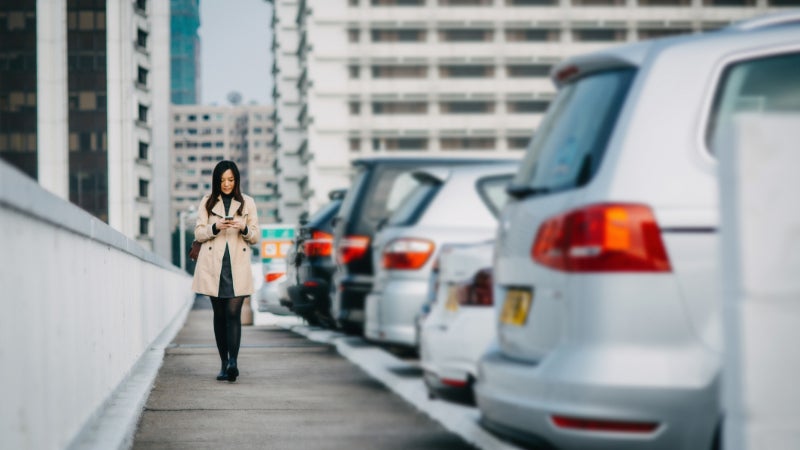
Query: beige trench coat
x=209 y=261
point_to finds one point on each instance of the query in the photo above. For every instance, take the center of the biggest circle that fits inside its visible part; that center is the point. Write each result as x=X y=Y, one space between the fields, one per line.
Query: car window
x=493 y=192
x=387 y=184
x=324 y=214
x=348 y=203
x=414 y=204
x=566 y=150
x=760 y=85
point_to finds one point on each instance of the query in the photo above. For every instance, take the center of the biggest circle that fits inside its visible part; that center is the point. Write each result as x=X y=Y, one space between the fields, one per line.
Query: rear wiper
x=525 y=191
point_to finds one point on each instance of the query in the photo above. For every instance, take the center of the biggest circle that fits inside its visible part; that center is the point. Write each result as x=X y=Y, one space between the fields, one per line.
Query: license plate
x=452 y=299
x=516 y=306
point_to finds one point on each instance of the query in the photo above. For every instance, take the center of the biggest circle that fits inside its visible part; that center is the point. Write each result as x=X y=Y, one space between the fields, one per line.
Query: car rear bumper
x=348 y=303
x=390 y=314
x=519 y=400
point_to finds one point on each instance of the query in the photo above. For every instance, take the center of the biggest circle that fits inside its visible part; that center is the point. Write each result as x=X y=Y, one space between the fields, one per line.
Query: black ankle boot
x=232 y=371
x=223 y=372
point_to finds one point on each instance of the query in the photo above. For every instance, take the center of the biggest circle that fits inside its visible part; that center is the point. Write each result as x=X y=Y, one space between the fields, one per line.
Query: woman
x=227 y=225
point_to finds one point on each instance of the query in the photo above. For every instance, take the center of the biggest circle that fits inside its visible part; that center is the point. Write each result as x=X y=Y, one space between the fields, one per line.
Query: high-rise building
x=201 y=136
x=82 y=107
x=381 y=76
x=185 y=54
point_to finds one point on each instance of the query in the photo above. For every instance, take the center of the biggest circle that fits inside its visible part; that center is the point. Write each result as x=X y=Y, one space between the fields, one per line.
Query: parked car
x=311 y=265
x=269 y=299
x=606 y=274
x=460 y=323
x=448 y=205
x=376 y=191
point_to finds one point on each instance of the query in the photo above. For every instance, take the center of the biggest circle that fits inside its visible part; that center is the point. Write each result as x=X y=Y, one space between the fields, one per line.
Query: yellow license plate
x=452 y=299
x=516 y=306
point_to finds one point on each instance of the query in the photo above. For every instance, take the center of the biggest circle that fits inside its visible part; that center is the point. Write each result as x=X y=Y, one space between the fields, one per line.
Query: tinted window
x=324 y=215
x=386 y=191
x=569 y=144
x=493 y=192
x=766 y=85
x=412 y=207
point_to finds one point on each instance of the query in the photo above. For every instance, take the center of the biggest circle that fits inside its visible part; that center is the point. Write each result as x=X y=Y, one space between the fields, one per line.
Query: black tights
x=227 y=326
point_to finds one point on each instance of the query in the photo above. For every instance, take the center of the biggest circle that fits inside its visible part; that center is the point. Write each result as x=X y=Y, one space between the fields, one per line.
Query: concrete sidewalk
x=292 y=393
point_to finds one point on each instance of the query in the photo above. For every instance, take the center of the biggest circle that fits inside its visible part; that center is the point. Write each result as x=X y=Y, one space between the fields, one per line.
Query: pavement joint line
x=376 y=362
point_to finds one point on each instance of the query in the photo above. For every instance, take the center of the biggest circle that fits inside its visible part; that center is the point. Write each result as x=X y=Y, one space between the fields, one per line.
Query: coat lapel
x=219 y=208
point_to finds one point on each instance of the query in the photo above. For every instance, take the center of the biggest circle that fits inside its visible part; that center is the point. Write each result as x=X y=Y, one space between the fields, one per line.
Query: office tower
x=185 y=51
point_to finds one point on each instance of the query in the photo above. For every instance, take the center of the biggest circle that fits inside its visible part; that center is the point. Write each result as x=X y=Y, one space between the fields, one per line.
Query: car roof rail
x=768 y=20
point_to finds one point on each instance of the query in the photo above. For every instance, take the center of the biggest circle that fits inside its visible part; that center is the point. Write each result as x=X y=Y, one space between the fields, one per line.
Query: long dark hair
x=216 y=185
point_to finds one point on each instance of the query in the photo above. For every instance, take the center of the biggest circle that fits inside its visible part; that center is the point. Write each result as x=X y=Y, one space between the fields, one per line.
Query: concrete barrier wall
x=81 y=303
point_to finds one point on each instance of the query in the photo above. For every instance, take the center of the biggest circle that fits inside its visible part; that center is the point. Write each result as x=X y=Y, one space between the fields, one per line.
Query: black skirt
x=225 y=277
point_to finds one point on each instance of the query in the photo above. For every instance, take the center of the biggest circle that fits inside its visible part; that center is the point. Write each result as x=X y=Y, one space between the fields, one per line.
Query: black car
x=379 y=184
x=312 y=266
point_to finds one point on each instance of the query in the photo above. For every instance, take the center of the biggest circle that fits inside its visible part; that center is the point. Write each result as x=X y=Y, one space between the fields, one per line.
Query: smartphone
x=228 y=217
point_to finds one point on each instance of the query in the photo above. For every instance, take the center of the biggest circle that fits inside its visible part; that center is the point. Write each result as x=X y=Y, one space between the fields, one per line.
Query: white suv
x=606 y=272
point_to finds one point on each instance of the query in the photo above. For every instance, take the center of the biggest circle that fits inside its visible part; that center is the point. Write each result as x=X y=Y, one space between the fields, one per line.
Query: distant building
x=83 y=107
x=201 y=136
x=185 y=51
x=382 y=76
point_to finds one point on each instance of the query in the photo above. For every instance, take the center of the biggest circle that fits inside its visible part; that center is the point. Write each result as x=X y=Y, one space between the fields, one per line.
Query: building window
x=353 y=71
x=528 y=70
x=527 y=106
x=664 y=2
x=398 y=2
x=404 y=35
x=518 y=143
x=406 y=143
x=141 y=38
x=379 y=108
x=355 y=144
x=141 y=5
x=466 y=2
x=141 y=76
x=352 y=2
x=352 y=35
x=144 y=148
x=531 y=2
x=532 y=35
x=144 y=226
x=598 y=2
x=142 y=113
x=466 y=35
x=143 y=188
x=599 y=35
x=355 y=108
x=467 y=143
x=192 y=118
x=464 y=71
x=462 y=107
x=655 y=33
x=399 y=71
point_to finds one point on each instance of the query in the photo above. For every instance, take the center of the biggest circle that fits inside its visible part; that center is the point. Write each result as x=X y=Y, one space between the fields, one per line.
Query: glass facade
x=86 y=91
x=185 y=51
x=18 y=85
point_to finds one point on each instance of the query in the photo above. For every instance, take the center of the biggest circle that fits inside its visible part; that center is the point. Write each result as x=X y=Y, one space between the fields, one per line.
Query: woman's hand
x=235 y=223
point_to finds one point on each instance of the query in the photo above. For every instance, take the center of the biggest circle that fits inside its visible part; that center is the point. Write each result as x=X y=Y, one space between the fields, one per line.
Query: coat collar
x=219 y=207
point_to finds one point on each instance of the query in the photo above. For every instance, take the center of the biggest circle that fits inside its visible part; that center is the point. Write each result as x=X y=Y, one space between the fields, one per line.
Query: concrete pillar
x=52 y=133
x=761 y=283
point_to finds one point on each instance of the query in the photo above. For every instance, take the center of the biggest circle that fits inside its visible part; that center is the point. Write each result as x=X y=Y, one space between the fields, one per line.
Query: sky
x=235 y=41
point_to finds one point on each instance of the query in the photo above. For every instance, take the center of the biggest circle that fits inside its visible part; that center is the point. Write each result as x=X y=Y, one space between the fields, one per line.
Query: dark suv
x=311 y=265
x=379 y=184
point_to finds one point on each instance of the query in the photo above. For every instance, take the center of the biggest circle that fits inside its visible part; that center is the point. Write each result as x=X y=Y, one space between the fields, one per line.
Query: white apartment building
x=447 y=75
x=201 y=136
x=289 y=169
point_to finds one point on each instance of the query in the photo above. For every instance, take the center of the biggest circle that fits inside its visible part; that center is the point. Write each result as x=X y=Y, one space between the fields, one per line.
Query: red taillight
x=270 y=277
x=478 y=292
x=452 y=382
x=602 y=238
x=351 y=248
x=407 y=253
x=615 y=426
x=310 y=283
x=320 y=244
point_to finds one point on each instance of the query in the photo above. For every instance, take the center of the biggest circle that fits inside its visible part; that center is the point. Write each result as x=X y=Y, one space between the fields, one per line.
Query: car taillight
x=270 y=277
x=351 y=248
x=602 y=238
x=614 y=426
x=320 y=244
x=478 y=291
x=407 y=253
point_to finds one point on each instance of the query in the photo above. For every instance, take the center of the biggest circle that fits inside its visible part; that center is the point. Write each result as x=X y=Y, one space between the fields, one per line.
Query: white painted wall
x=82 y=303
x=761 y=263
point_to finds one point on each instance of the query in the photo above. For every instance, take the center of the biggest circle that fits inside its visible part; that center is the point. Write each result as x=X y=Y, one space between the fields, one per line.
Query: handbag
x=194 y=252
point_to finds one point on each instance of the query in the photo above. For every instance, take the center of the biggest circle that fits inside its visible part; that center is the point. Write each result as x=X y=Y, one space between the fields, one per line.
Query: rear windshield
x=764 y=85
x=571 y=140
x=386 y=189
x=323 y=216
x=415 y=203
x=493 y=192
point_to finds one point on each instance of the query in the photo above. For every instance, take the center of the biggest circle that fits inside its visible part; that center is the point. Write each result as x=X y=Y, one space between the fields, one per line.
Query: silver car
x=448 y=204
x=606 y=274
